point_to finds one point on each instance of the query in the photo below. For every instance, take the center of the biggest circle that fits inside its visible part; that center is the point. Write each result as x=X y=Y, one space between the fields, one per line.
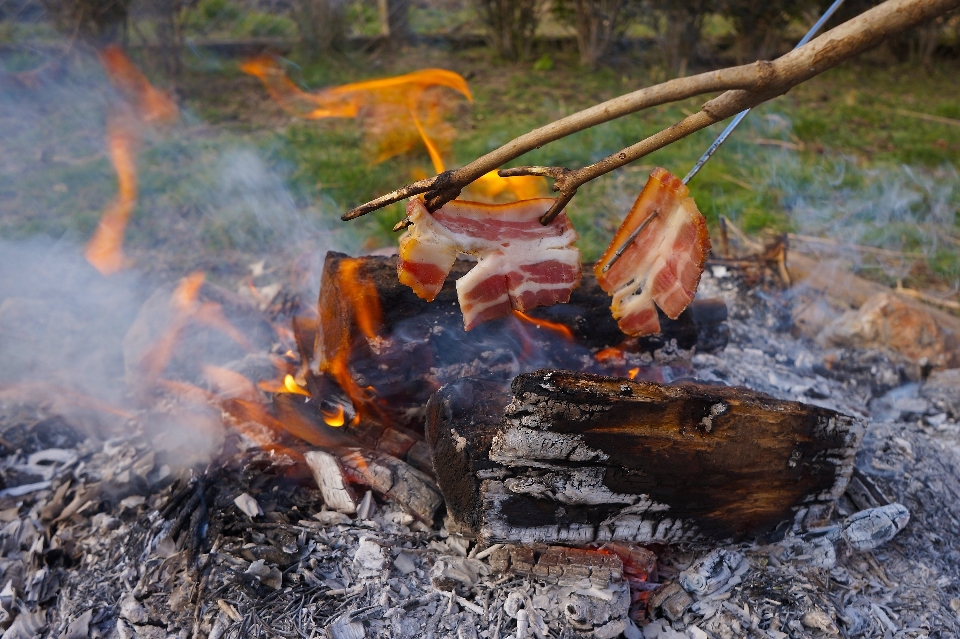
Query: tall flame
x=105 y=249
x=147 y=105
x=398 y=113
x=150 y=103
x=362 y=302
x=394 y=110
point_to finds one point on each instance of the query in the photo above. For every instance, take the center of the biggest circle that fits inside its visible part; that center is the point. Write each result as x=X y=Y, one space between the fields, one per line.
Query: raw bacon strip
x=663 y=264
x=522 y=264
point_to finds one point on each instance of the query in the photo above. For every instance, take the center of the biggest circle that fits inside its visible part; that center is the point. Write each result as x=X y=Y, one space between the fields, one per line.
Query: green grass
x=835 y=157
x=845 y=121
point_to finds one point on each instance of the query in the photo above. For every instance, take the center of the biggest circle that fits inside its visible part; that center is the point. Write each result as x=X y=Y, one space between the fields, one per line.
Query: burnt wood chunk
x=577 y=458
x=385 y=337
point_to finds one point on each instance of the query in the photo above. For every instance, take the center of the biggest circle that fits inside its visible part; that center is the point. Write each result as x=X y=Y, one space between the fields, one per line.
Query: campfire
x=475 y=435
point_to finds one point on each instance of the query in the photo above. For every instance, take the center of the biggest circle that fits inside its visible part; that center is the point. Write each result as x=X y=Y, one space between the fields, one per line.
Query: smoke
x=903 y=211
x=207 y=201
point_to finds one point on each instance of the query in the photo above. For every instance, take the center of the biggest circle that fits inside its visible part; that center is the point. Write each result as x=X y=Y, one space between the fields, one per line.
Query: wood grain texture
x=577 y=458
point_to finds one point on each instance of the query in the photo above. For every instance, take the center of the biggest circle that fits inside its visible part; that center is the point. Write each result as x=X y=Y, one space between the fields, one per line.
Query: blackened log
x=416 y=347
x=578 y=458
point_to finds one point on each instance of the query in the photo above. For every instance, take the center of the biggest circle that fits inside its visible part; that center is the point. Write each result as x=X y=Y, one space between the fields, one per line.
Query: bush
x=98 y=21
x=680 y=29
x=511 y=25
x=597 y=23
x=760 y=24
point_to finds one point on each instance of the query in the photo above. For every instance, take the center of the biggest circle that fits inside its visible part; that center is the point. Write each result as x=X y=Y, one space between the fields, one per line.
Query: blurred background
x=860 y=162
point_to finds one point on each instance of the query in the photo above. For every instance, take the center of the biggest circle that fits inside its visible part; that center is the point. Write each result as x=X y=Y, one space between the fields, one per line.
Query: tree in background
x=760 y=24
x=322 y=25
x=97 y=21
x=597 y=23
x=680 y=28
x=394 y=19
x=511 y=25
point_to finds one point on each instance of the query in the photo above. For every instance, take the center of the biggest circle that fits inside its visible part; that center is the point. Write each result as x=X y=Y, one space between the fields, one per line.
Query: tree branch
x=746 y=86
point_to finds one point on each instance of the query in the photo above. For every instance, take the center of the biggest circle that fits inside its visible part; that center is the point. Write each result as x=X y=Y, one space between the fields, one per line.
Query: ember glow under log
x=578 y=458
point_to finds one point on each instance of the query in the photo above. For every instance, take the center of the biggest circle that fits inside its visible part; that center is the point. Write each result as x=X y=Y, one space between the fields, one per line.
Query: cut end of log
x=577 y=458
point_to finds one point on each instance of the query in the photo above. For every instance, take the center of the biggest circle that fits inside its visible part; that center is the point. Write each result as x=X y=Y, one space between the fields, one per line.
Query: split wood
x=745 y=87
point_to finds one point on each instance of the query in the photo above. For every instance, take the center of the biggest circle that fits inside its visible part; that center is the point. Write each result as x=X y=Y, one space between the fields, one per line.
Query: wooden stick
x=746 y=86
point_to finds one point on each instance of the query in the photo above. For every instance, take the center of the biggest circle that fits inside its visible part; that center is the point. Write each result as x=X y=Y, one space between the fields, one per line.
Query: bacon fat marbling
x=663 y=265
x=521 y=263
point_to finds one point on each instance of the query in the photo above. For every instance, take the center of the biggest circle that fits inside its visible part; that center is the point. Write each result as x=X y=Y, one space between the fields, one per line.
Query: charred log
x=579 y=458
x=376 y=331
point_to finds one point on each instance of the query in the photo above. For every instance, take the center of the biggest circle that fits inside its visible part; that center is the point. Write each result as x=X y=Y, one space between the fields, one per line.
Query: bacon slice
x=522 y=264
x=663 y=264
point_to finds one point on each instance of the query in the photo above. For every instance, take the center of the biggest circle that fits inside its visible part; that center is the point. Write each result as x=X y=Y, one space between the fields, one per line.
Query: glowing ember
x=291 y=386
x=333 y=418
x=560 y=329
x=148 y=105
x=608 y=354
x=398 y=112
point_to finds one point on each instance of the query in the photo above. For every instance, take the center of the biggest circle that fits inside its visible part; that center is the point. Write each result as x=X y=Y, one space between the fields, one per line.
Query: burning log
x=377 y=333
x=579 y=458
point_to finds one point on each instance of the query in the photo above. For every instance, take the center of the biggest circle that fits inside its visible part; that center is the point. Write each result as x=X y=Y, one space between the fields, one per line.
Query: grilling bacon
x=663 y=264
x=522 y=264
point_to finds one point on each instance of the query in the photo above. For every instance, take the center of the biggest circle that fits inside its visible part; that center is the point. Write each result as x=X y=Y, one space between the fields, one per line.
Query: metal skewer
x=722 y=137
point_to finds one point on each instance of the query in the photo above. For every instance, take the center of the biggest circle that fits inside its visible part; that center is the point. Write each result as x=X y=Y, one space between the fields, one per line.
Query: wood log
x=405 y=348
x=578 y=458
x=337 y=470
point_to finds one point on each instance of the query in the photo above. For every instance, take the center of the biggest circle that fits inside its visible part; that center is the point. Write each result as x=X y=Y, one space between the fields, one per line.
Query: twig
x=924 y=297
x=951 y=239
x=746 y=86
x=856 y=247
x=929 y=118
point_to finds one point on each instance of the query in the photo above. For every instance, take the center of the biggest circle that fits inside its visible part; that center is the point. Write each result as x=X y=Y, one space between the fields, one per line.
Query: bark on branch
x=745 y=86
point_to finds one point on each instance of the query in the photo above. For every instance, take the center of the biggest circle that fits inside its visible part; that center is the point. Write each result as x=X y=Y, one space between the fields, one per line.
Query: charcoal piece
x=376 y=331
x=577 y=458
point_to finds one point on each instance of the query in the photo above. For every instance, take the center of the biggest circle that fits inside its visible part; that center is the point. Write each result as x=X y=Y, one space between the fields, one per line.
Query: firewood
x=336 y=470
x=559 y=565
x=418 y=346
x=577 y=458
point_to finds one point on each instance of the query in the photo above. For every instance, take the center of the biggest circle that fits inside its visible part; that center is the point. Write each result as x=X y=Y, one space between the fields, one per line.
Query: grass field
x=867 y=153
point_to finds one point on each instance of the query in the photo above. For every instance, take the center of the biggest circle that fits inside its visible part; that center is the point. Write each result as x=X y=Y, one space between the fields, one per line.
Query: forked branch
x=745 y=86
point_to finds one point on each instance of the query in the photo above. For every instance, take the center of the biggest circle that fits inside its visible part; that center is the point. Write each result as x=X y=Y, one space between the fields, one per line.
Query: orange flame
x=360 y=300
x=149 y=105
x=632 y=373
x=398 y=112
x=105 y=249
x=186 y=309
x=334 y=418
x=560 y=329
x=291 y=386
x=491 y=186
